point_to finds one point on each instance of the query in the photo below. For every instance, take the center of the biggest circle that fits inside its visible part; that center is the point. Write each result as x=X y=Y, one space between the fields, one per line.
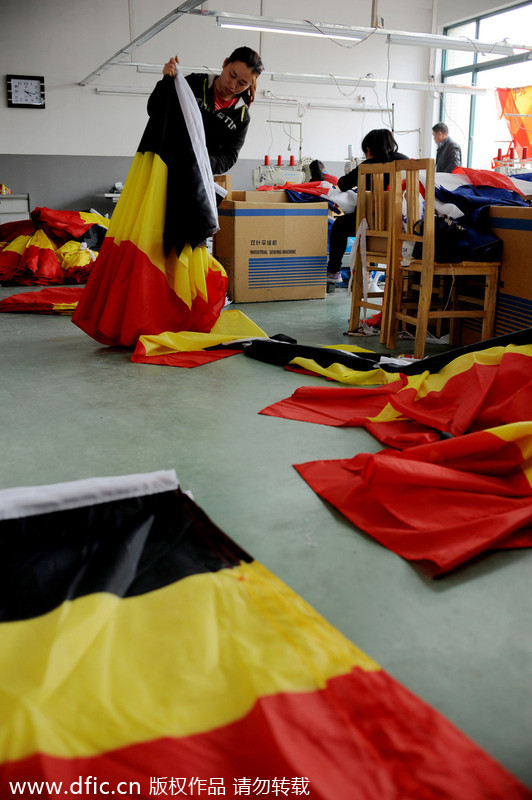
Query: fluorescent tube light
x=450 y=43
x=333 y=31
x=331 y=80
x=427 y=86
x=127 y=90
x=278 y=101
x=290 y=26
x=346 y=107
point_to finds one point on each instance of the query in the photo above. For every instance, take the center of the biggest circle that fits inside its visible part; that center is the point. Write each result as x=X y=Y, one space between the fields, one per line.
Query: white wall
x=452 y=11
x=65 y=40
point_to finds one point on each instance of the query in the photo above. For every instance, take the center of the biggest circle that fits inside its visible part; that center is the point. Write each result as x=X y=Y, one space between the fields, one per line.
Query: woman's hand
x=170 y=68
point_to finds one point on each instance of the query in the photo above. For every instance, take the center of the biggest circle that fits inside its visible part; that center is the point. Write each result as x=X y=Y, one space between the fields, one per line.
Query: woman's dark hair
x=316 y=170
x=381 y=144
x=252 y=60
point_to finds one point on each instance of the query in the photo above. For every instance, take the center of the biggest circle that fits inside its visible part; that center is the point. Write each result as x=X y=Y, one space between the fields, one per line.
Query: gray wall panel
x=78 y=183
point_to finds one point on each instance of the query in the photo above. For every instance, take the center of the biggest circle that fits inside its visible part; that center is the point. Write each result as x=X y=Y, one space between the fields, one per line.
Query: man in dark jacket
x=449 y=154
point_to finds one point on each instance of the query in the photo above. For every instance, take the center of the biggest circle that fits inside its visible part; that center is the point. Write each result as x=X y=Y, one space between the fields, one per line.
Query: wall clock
x=25 y=91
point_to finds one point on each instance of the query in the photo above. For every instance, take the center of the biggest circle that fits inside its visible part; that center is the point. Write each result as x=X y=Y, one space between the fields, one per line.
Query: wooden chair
x=375 y=196
x=422 y=290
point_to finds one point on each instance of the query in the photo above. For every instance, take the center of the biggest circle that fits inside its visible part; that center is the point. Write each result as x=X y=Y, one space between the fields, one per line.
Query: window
x=474 y=120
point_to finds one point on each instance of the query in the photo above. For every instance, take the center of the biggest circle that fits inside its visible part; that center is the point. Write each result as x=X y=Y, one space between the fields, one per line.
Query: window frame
x=475 y=67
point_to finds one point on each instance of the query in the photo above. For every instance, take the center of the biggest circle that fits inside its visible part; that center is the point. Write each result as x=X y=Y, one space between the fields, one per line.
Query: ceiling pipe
x=163 y=23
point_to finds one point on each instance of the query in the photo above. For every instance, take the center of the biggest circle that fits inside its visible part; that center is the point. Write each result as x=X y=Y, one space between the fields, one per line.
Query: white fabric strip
x=192 y=115
x=360 y=241
x=27 y=501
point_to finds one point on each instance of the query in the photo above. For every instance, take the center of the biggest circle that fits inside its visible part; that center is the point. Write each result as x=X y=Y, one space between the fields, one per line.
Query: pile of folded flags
x=53 y=247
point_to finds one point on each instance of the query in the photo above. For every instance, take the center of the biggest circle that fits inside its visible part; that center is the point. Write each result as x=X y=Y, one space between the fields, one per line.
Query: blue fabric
x=302 y=197
x=471 y=198
x=523 y=176
x=475 y=201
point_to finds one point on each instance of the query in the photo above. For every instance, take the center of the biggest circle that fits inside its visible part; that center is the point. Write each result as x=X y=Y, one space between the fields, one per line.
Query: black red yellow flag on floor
x=474 y=391
x=153 y=273
x=53 y=300
x=143 y=651
x=439 y=504
x=479 y=479
x=50 y=248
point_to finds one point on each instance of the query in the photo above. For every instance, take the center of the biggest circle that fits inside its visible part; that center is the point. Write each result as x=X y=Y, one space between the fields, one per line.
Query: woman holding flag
x=224 y=102
x=154 y=273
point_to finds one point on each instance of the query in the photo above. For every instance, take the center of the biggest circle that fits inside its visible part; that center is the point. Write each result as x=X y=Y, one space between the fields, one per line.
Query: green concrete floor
x=74 y=409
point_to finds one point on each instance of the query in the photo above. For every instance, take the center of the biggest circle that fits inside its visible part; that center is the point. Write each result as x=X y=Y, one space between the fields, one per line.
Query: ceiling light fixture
x=184 y=8
x=290 y=26
x=126 y=90
x=346 y=107
x=447 y=88
x=331 y=80
x=328 y=30
x=450 y=43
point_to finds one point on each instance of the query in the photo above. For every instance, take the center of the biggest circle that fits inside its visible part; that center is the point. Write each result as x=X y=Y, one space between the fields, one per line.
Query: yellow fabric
x=95 y=218
x=425 y=382
x=230 y=325
x=101 y=672
x=434 y=382
x=520 y=433
x=337 y=372
x=17 y=245
x=139 y=218
x=349 y=348
x=64 y=308
x=187 y=274
x=140 y=212
x=41 y=240
x=72 y=254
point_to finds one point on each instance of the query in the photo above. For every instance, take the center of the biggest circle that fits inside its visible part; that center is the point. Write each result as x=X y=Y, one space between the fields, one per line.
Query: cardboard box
x=272 y=248
x=513 y=224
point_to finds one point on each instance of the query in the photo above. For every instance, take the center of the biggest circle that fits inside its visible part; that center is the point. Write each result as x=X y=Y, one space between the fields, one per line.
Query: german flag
x=477 y=390
x=39 y=263
x=52 y=300
x=61 y=226
x=10 y=256
x=76 y=260
x=40 y=251
x=153 y=273
x=143 y=651
x=191 y=349
x=481 y=483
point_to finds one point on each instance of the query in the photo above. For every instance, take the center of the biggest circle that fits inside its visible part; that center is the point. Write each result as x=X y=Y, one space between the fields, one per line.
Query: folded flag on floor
x=141 y=645
x=472 y=392
x=53 y=247
x=393 y=496
x=227 y=337
x=439 y=504
x=53 y=300
x=153 y=273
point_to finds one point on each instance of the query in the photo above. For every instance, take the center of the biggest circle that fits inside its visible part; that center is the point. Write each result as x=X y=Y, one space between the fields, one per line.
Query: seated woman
x=379 y=147
x=317 y=173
